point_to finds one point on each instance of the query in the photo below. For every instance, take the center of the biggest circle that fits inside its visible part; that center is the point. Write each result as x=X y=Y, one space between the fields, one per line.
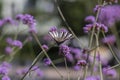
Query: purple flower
x=6 y=78
x=81 y=62
x=19 y=17
x=110 y=72
x=90 y=19
x=97 y=7
x=45 y=47
x=9 y=40
x=109 y=15
x=64 y=50
x=47 y=61
x=92 y=78
x=110 y=39
x=76 y=68
x=97 y=26
x=5 y=64
x=29 y=20
x=59 y=35
x=1 y=23
x=17 y=43
x=69 y=57
x=88 y=28
x=9 y=20
x=76 y=52
x=39 y=73
x=3 y=70
x=8 y=50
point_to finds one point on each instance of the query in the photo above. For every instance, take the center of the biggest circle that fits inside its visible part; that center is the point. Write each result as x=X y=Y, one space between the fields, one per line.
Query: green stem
x=36 y=38
x=67 y=68
x=85 y=72
x=101 y=74
x=67 y=25
x=33 y=63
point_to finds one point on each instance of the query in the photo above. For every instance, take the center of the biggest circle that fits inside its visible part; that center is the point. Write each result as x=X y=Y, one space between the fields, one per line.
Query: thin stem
x=36 y=38
x=33 y=63
x=67 y=68
x=64 y=20
x=114 y=66
x=100 y=67
x=85 y=72
x=111 y=50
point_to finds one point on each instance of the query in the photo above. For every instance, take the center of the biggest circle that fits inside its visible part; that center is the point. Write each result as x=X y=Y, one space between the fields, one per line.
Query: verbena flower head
x=110 y=72
x=19 y=17
x=9 y=20
x=92 y=78
x=47 y=61
x=64 y=50
x=81 y=62
x=8 y=50
x=6 y=78
x=90 y=19
x=110 y=39
x=97 y=26
x=17 y=43
x=59 y=35
x=76 y=67
x=109 y=15
x=39 y=73
x=9 y=40
x=70 y=57
x=28 y=19
x=3 y=70
x=45 y=47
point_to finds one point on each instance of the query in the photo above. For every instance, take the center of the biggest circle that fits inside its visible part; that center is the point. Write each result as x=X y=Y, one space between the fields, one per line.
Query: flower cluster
x=12 y=43
x=4 y=70
x=64 y=50
x=97 y=26
x=110 y=39
x=28 y=20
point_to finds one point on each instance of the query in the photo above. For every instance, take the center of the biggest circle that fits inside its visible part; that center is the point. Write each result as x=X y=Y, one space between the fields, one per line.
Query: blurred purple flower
x=39 y=73
x=47 y=61
x=90 y=19
x=8 y=50
x=76 y=52
x=92 y=78
x=45 y=47
x=9 y=20
x=17 y=43
x=3 y=70
x=81 y=62
x=76 y=68
x=97 y=7
x=109 y=15
x=29 y=20
x=69 y=57
x=1 y=23
x=110 y=39
x=6 y=78
x=97 y=26
x=5 y=64
x=9 y=40
x=19 y=17
x=110 y=72
x=64 y=50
